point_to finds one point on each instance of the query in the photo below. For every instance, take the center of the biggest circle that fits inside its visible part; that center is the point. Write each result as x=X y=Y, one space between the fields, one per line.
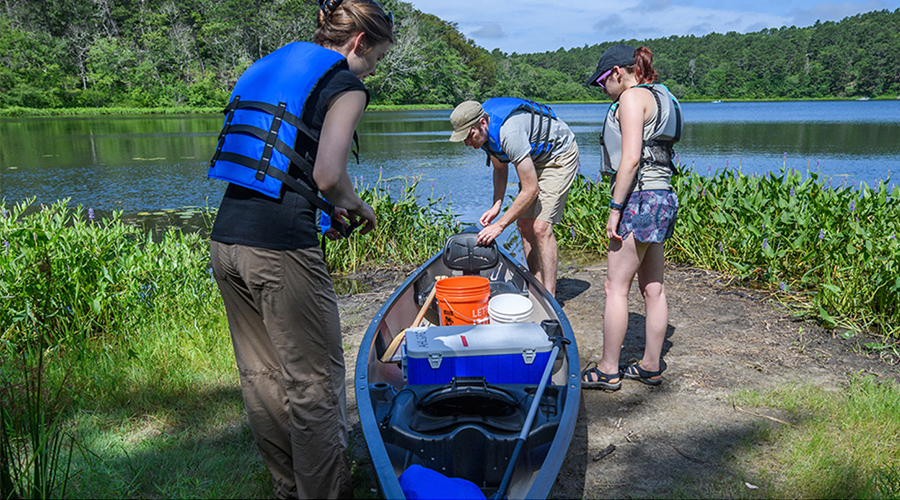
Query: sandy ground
x=683 y=438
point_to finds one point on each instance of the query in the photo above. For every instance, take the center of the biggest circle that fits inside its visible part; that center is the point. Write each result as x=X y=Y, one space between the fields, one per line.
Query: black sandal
x=600 y=380
x=635 y=372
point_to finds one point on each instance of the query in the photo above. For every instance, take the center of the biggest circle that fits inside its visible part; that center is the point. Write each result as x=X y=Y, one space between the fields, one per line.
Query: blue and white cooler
x=515 y=353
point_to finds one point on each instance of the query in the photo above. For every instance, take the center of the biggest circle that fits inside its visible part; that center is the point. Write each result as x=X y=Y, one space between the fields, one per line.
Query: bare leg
x=541 y=251
x=622 y=263
x=650 y=279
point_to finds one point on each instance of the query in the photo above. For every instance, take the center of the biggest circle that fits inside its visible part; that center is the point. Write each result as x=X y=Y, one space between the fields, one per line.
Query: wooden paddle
x=395 y=343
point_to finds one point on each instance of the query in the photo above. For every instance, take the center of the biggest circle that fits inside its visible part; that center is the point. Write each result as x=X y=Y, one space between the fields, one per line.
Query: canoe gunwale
x=384 y=469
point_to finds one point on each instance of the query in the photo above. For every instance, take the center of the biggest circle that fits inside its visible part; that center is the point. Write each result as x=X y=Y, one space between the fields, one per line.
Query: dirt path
x=684 y=437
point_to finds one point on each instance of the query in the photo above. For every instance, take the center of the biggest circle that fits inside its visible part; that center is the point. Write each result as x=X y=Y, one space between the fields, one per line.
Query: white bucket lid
x=510 y=306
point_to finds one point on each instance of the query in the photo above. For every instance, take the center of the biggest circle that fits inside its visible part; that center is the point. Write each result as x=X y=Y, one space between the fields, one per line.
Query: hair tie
x=329 y=6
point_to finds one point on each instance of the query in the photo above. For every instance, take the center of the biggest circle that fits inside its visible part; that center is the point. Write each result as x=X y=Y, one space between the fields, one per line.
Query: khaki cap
x=464 y=117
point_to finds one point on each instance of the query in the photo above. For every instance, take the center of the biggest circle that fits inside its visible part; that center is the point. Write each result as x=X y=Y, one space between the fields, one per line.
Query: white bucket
x=510 y=308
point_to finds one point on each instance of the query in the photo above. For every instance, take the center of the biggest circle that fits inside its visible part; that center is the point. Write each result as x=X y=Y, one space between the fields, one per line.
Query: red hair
x=643 y=66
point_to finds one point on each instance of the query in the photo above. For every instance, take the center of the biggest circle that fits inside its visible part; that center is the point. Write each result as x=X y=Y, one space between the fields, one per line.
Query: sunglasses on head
x=390 y=14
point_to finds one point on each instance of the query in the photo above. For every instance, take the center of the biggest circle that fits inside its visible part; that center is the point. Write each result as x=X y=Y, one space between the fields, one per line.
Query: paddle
x=395 y=342
x=550 y=325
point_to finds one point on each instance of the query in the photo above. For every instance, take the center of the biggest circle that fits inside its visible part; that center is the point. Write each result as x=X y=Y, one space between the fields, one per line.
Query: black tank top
x=247 y=217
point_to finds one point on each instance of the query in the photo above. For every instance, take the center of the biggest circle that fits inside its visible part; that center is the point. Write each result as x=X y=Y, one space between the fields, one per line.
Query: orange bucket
x=463 y=300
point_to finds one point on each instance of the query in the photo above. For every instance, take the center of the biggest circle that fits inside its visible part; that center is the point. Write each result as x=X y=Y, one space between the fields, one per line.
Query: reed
x=409 y=231
x=829 y=252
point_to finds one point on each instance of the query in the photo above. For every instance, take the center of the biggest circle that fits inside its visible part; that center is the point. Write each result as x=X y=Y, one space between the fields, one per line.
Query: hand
x=612 y=224
x=490 y=215
x=489 y=234
x=341 y=217
x=363 y=217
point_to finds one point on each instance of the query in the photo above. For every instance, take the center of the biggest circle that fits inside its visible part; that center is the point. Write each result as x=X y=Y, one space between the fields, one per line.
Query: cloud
x=651 y=5
x=489 y=30
x=609 y=24
x=832 y=11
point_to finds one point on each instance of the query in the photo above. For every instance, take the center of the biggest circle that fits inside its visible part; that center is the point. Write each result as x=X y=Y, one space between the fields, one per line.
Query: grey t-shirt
x=516 y=136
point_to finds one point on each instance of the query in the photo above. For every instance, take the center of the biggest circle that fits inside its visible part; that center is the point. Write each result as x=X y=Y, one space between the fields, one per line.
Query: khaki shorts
x=554 y=180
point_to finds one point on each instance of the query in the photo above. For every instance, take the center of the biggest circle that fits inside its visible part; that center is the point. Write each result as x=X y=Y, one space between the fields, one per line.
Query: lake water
x=157 y=165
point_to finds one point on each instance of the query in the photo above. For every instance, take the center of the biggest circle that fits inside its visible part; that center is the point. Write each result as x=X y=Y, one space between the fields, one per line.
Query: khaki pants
x=283 y=316
x=555 y=178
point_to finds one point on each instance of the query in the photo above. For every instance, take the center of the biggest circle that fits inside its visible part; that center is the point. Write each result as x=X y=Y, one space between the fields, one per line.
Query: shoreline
x=20 y=112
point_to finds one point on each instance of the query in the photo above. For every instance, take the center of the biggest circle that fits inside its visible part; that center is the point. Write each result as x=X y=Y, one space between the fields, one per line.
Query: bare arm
x=529 y=192
x=634 y=108
x=330 y=171
x=527 y=195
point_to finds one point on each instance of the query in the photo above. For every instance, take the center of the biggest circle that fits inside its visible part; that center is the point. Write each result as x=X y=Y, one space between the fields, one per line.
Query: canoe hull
x=476 y=445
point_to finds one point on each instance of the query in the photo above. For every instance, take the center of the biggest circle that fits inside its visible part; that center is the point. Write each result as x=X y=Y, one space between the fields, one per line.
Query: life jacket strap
x=280 y=146
x=263 y=165
x=229 y=116
x=271 y=109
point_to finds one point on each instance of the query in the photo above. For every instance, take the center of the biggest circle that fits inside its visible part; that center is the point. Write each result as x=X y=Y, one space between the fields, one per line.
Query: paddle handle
x=395 y=342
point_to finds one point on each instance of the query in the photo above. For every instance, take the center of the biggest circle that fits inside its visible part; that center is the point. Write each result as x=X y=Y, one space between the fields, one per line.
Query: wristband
x=616 y=206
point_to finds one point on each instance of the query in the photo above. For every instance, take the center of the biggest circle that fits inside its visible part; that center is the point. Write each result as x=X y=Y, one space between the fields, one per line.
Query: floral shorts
x=650 y=215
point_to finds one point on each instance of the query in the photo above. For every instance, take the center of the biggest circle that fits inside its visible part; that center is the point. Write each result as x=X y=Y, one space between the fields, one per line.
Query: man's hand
x=490 y=215
x=489 y=234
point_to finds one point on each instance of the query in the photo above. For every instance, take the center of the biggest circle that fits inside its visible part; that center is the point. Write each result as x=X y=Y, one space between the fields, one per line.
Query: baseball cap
x=618 y=55
x=464 y=117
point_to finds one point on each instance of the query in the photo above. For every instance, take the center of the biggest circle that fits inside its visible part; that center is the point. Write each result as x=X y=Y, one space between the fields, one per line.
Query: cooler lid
x=476 y=340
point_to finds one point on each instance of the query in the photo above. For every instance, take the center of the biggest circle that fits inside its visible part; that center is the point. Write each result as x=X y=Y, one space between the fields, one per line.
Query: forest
x=189 y=53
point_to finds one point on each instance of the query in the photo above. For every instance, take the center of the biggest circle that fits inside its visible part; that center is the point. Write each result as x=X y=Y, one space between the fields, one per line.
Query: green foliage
x=80 y=53
x=831 y=252
x=407 y=232
x=35 y=452
x=97 y=278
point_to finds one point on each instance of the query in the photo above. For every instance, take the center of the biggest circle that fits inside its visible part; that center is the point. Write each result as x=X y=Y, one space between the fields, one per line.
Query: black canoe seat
x=463 y=253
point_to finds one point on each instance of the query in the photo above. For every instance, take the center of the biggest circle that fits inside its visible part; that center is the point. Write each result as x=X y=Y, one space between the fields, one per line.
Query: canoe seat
x=469 y=395
x=463 y=253
x=420 y=425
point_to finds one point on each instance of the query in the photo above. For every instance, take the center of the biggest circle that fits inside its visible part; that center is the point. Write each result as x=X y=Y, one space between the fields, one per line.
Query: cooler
x=514 y=353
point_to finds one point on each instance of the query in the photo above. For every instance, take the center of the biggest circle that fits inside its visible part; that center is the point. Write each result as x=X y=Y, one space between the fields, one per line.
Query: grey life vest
x=657 y=149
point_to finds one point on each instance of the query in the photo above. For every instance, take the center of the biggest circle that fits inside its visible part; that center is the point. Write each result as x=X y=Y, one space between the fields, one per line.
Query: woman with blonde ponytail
x=641 y=127
x=283 y=149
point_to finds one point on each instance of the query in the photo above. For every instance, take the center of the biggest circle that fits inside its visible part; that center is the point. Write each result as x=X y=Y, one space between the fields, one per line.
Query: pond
x=155 y=166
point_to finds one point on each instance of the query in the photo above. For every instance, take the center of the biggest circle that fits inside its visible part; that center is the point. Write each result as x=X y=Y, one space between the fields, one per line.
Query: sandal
x=593 y=378
x=635 y=372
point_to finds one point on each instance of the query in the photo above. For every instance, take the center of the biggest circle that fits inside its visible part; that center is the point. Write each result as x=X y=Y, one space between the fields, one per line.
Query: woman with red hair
x=641 y=127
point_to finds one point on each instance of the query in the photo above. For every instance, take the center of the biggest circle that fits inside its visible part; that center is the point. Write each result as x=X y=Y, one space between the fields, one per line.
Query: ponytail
x=341 y=20
x=643 y=66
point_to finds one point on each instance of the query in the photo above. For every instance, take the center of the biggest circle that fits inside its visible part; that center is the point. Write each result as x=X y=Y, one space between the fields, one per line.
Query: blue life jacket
x=501 y=108
x=264 y=117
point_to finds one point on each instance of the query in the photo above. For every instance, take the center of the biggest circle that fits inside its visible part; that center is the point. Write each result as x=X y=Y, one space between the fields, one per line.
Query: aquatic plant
x=829 y=252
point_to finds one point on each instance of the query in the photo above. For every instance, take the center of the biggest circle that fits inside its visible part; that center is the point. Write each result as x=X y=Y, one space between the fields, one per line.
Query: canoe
x=472 y=432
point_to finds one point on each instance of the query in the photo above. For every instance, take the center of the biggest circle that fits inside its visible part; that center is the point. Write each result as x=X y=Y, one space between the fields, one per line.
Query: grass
x=138 y=376
x=18 y=111
x=839 y=444
x=123 y=344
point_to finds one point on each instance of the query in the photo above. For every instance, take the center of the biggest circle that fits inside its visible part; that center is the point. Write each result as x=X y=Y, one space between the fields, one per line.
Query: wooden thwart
x=396 y=341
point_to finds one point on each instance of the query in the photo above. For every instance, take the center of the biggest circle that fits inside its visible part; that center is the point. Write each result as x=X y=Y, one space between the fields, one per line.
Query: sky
x=527 y=26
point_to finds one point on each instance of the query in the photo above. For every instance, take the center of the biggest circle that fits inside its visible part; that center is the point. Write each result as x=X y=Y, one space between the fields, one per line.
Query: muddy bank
x=683 y=437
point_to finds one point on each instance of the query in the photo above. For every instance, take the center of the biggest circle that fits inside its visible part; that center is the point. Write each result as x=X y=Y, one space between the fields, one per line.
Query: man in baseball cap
x=463 y=118
x=543 y=150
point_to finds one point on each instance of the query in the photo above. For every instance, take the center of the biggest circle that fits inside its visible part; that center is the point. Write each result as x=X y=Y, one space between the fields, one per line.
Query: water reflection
x=158 y=164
